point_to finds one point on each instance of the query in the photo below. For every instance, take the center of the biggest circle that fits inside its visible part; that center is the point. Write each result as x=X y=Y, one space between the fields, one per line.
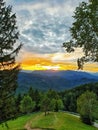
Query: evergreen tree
x=18 y=99
x=9 y=48
x=31 y=93
x=52 y=94
x=37 y=98
x=84 y=31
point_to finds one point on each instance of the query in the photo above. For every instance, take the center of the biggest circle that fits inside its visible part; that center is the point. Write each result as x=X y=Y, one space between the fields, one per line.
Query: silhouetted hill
x=57 y=80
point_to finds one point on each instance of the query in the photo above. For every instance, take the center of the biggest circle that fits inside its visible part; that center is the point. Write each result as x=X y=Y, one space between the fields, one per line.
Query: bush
x=86 y=119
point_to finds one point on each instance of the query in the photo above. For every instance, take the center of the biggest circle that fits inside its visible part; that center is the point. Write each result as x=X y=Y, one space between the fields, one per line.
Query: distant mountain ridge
x=57 y=80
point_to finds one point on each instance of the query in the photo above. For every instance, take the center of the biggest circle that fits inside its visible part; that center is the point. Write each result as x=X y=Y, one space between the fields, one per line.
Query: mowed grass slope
x=53 y=121
x=59 y=121
x=17 y=124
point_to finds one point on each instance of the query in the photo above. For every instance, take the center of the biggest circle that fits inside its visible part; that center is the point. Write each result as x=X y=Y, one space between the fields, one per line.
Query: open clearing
x=53 y=121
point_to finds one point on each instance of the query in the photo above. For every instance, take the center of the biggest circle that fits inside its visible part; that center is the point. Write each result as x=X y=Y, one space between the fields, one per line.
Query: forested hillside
x=52 y=100
x=56 y=80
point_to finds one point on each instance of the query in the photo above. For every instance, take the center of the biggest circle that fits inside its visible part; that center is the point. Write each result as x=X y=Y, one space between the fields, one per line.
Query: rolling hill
x=53 y=121
x=57 y=80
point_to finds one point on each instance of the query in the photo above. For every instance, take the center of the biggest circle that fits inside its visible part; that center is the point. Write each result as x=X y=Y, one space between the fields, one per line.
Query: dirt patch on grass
x=28 y=126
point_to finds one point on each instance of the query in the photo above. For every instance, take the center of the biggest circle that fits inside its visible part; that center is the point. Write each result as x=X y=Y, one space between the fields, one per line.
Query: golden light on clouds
x=48 y=67
x=93 y=67
x=55 y=61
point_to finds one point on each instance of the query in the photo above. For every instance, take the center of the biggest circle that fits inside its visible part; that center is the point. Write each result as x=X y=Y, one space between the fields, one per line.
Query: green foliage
x=84 y=30
x=51 y=98
x=8 y=110
x=69 y=100
x=86 y=106
x=52 y=94
x=18 y=99
x=52 y=105
x=27 y=105
x=51 y=102
x=9 y=49
x=69 y=97
x=36 y=96
x=45 y=104
x=56 y=105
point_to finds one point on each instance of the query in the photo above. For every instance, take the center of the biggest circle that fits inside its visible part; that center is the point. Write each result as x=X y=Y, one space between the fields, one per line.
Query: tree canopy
x=27 y=105
x=87 y=106
x=84 y=31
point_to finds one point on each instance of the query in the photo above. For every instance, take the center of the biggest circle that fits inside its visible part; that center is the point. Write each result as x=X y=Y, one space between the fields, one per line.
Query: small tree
x=87 y=106
x=58 y=105
x=36 y=96
x=27 y=105
x=45 y=104
x=52 y=104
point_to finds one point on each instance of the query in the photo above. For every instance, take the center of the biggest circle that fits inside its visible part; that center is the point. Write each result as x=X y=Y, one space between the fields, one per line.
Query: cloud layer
x=44 y=24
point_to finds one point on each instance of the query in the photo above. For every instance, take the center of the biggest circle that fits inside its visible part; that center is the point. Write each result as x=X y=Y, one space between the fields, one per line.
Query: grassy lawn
x=59 y=121
x=53 y=121
x=17 y=124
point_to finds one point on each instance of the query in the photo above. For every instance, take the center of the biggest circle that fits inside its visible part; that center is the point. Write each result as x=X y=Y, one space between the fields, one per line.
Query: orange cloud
x=56 y=61
x=45 y=62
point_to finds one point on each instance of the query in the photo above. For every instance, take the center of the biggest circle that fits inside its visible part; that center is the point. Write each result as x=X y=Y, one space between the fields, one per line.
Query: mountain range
x=56 y=80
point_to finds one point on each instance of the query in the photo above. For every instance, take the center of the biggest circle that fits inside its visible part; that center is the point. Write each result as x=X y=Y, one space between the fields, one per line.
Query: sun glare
x=40 y=67
x=52 y=67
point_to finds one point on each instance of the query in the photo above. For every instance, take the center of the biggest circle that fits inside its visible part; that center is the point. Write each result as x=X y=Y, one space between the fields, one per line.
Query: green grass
x=53 y=121
x=59 y=121
x=17 y=124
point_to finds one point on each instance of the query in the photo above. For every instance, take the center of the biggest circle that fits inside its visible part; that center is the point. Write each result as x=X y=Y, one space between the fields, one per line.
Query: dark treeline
x=51 y=100
x=69 y=97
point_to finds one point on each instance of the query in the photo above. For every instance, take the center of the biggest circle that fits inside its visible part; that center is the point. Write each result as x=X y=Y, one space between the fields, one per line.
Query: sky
x=44 y=26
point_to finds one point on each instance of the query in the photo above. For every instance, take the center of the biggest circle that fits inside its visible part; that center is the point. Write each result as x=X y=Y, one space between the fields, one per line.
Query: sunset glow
x=48 y=67
x=53 y=62
x=92 y=68
x=43 y=27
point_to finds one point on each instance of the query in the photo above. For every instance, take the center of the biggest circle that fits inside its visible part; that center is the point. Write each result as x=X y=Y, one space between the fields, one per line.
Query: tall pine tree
x=9 y=48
